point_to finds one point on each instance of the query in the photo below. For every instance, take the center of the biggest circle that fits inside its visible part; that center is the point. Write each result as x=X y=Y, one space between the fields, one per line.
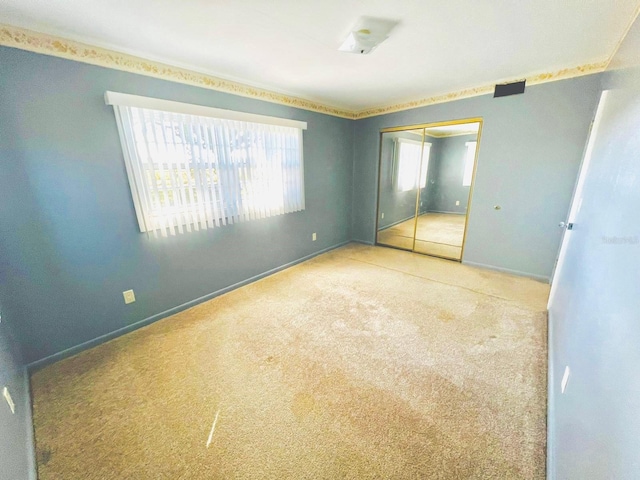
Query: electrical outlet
x=565 y=379
x=7 y=397
x=313 y=236
x=129 y=296
x=457 y=202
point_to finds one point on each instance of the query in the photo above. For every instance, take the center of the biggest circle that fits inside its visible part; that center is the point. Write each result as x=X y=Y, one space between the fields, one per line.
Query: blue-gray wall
x=71 y=240
x=594 y=313
x=16 y=437
x=17 y=218
x=529 y=155
x=446 y=171
x=432 y=173
x=16 y=433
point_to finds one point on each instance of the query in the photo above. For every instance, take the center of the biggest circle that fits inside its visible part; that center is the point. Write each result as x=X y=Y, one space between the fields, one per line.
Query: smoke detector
x=366 y=35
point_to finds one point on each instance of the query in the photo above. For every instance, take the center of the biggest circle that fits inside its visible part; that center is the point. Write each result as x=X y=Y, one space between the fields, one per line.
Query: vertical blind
x=190 y=172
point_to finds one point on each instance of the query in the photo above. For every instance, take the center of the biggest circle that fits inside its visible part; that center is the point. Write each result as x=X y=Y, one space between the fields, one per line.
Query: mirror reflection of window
x=409 y=174
x=468 y=163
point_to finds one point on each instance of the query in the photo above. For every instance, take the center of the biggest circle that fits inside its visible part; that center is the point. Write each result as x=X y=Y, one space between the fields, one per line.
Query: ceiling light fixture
x=367 y=34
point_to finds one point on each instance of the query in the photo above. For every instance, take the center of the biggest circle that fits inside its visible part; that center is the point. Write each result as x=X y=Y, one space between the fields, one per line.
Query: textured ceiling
x=290 y=46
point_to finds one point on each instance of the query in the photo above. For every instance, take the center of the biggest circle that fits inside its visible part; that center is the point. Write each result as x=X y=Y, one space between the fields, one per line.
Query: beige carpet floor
x=365 y=362
x=439 y=234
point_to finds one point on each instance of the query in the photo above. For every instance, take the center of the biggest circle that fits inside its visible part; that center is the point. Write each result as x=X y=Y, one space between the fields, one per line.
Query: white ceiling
x=290 y=46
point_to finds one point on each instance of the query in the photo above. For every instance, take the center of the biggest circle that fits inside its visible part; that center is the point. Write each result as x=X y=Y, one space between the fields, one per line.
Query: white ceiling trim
x=24 y=39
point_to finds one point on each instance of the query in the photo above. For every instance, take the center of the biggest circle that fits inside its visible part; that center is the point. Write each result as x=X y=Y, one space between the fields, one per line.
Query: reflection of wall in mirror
x=397 y=206
x=446 y=171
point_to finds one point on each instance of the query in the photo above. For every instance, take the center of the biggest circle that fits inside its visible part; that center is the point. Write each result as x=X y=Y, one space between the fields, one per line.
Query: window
x=409 y=173
x=193 y=167
x=469 y=160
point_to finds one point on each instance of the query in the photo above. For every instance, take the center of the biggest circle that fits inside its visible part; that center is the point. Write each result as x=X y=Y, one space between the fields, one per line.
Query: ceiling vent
x=506 y=89
x=366 y=35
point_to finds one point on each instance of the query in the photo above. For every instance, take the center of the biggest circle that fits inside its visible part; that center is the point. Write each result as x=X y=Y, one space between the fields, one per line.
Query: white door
x=576 y=201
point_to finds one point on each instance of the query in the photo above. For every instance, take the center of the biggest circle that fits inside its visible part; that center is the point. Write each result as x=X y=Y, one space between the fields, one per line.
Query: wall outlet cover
x=129 y=296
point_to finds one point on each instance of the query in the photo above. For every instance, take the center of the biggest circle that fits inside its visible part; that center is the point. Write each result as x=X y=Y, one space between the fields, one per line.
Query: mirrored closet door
x=425 y=183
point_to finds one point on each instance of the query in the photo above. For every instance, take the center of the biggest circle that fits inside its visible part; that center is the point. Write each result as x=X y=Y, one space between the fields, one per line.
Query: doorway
x=426 y=176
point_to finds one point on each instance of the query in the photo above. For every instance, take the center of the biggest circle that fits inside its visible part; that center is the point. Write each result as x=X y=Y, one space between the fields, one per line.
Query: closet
x=426 y=175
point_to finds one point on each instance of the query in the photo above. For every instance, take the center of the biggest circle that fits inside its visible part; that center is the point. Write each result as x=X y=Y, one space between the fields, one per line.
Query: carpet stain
x=302 y=404
x=43 y=456
x=446 y=316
